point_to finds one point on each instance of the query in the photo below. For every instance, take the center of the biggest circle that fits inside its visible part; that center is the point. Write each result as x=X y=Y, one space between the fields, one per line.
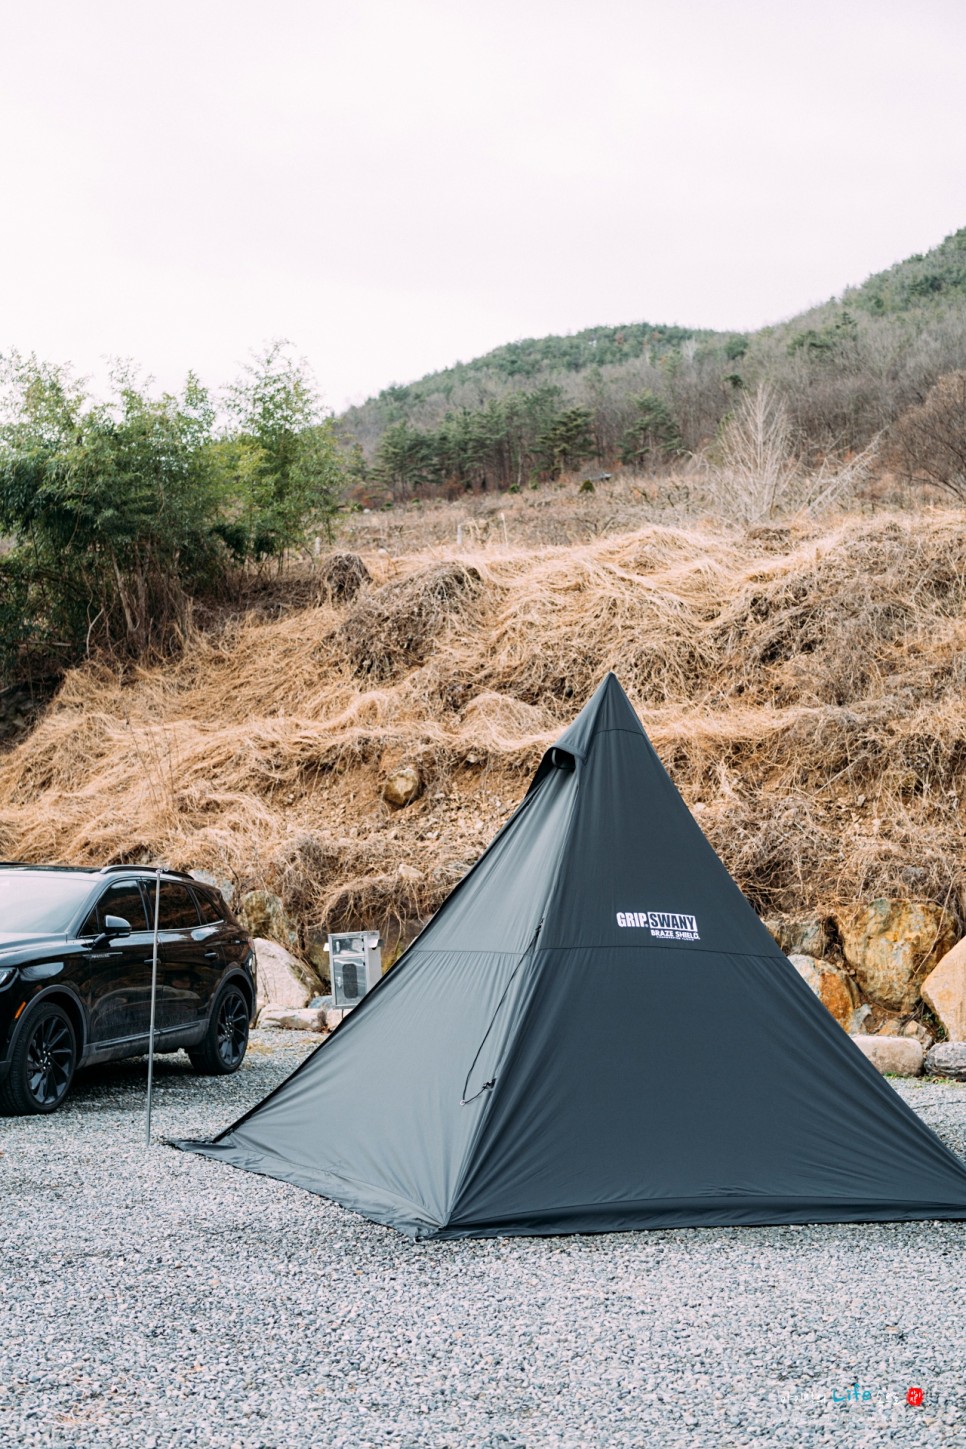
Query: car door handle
x=211 y=955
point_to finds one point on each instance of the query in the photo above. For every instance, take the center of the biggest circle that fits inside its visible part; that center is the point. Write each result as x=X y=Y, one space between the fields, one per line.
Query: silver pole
x=154 y=997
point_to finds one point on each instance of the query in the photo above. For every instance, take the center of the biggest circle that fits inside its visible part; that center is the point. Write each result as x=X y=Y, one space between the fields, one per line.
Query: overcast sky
x=395 y=186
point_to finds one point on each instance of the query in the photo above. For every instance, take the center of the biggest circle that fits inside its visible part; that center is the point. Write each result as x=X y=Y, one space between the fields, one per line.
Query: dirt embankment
x=805 y=688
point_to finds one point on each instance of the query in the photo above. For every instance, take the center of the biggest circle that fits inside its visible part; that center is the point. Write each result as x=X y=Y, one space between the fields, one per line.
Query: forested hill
x=930 y=277
x=517 y=366
x=524 y=362
x=643 y=392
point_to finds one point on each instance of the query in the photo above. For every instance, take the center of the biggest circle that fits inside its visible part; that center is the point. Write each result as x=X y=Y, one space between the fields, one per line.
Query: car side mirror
x=115 y=926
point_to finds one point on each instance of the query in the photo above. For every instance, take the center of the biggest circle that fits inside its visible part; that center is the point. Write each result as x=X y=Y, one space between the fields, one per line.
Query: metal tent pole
x=154 y=997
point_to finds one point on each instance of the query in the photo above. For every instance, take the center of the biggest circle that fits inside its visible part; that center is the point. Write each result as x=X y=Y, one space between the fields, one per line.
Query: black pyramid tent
x=517 y=1072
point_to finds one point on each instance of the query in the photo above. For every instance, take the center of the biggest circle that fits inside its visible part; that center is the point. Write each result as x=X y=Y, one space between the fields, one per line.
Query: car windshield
x=41 y=901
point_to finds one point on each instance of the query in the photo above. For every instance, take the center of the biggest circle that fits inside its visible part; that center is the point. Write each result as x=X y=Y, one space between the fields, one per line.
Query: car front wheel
x=226 y=1040
x=42 y=1064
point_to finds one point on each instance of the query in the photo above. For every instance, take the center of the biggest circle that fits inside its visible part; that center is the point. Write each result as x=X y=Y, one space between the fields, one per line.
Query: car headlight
x=7 y=973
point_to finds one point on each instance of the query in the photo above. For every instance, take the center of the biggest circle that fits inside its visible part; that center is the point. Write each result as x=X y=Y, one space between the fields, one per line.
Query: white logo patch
x=663 y=925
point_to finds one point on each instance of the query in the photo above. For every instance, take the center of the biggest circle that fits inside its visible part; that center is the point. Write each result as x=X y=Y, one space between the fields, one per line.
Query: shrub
x=758 y=470
x=112 y=510
x=929 y=441
x=120 y=513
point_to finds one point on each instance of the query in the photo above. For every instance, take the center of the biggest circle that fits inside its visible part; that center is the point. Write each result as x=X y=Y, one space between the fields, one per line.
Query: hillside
x=936 y=276
x=521 y=364
x=848 y=369
x=803 y=685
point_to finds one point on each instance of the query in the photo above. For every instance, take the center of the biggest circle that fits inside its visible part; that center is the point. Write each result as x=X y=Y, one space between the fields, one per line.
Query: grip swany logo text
x=665 y=925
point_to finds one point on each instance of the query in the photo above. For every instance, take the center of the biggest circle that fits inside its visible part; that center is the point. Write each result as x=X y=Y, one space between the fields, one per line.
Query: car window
x=40 y=901
x=211 y=912
x=178 y=909
x=123 y=899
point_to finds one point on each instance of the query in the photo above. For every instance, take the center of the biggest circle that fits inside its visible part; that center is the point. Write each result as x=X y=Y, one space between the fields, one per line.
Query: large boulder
x=281 y=976
x=831 y=986
x=860 y=1016
x=291 y=1018
x=891 y=945
x=402 y=785
x=947 y=1059
x=262 y=914
x=800 y=935
x=220 y=882
x=897 y=1055
x=944 y=992
x=317 y=950
x=916 y=1029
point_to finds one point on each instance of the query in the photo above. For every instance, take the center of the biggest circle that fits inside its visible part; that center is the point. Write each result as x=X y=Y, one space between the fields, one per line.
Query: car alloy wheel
x=49 y=1061
x=232 y=1029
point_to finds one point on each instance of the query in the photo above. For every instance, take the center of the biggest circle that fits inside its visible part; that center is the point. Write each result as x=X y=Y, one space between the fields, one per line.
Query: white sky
x=398 y=184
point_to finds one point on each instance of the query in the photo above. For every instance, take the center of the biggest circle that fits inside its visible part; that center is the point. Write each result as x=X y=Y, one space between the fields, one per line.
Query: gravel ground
x=153 y=1298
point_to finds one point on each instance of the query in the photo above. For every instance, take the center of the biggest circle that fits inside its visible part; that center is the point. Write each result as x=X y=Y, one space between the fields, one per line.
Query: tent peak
x=607 y=709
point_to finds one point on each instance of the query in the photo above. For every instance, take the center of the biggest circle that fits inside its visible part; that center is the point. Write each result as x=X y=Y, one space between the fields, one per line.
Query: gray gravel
x=156 y=1298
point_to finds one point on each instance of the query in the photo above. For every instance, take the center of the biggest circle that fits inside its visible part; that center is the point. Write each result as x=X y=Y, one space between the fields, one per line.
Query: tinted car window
x=178 y=909
x=40 y=902
x=211 y=911
x=122 y=899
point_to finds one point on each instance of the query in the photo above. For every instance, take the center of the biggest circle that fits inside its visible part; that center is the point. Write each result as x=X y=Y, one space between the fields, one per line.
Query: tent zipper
x=488 y=1086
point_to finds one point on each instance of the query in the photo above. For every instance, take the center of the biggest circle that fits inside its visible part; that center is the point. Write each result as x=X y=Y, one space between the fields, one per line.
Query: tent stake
x=154 y=996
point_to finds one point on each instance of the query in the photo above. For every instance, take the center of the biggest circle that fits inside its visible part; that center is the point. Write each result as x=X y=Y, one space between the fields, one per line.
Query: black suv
x=75 y=976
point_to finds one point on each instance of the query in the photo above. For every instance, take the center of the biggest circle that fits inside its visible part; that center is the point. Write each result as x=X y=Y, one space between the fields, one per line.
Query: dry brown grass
x=805 y=687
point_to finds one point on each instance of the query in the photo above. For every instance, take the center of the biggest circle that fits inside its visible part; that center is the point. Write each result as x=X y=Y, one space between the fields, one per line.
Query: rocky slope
x=354 y=749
